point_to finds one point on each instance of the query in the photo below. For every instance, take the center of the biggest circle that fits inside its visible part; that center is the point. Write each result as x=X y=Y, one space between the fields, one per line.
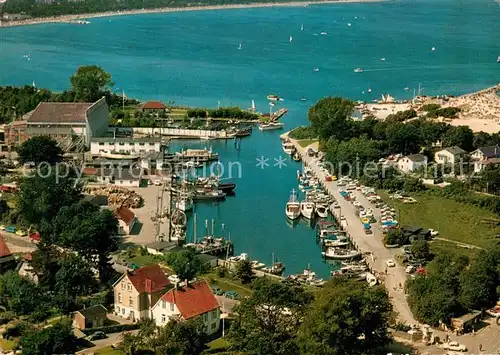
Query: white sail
x=302 y=27
x=253 y=105
x=291 y=38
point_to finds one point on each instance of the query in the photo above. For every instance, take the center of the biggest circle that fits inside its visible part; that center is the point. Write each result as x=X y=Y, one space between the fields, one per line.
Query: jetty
x=369 y=244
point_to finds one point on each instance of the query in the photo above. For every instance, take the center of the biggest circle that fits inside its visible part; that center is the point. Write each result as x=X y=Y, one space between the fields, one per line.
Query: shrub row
x=112 y=328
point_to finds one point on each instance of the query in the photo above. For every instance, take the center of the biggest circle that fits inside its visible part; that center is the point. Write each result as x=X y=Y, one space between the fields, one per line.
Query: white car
x=454 y=346
x=390 y=263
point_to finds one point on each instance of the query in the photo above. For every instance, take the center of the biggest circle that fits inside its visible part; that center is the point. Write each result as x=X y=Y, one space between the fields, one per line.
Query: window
x=129 y=286
x=163 y=318
x=205 y=317
x=141 y=143
x=151 y=144
x=121 y=143
x=101 y=143
x=130 y=301
x=214 y=314
x=163 y=304
x=119 y=298
x=123 y=285
x=214 y=326
x=123 y=310
x=171 y=307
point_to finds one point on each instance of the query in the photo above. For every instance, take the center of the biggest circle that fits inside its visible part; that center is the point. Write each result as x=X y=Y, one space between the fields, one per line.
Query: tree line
x=223 y=112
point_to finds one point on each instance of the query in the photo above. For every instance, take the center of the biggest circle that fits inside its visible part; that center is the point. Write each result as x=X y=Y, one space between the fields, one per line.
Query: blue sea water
x=192 y=58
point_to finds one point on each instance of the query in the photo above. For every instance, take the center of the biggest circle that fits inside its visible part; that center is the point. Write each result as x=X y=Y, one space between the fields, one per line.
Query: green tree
x=21 y=295
x=461 y=136
x=57 y=339
x=244 y=271
x=420 y=249
x=43 y=195
x=185 y=264
x=39 y=149
x=89 y=83
x=346 y=317
x=330 y=117
x=180 y=337
x=44 y=264
x=267 y=322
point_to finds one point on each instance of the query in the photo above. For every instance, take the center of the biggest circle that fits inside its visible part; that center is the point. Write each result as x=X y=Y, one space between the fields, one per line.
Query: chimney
x=149 y=285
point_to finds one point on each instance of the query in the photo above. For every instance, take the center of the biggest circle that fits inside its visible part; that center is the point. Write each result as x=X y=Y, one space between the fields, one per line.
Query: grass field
x=219 y=344
x=305 y=142
x=108 y=351
x=455 y=221
x=227 y=284
x=7 y=345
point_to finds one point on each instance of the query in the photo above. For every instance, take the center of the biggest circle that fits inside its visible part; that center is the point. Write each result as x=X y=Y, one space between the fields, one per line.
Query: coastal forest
x=36 y=8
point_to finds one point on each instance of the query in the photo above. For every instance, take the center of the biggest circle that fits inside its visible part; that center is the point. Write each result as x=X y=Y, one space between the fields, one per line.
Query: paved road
x=368 y=243
x=227 y=304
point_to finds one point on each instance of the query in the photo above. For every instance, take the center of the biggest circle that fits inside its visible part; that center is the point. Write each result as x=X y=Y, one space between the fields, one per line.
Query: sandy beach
x=69 y=18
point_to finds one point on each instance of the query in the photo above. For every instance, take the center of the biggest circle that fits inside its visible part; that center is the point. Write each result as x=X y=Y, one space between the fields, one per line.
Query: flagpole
x=123 y=100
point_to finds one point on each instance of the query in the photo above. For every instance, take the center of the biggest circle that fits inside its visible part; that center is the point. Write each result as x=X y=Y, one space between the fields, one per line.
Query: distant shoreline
x=69 y=18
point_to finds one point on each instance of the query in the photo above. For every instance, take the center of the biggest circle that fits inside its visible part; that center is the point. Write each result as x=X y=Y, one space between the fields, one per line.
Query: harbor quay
x=371 y=244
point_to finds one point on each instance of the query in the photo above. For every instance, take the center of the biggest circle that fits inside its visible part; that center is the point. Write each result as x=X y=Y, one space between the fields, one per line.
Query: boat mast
x=206 y=227
x=194 y=228
x=213 y=226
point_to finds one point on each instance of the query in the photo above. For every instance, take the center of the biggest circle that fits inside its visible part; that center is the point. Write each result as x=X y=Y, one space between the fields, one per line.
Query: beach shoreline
x=69 y=18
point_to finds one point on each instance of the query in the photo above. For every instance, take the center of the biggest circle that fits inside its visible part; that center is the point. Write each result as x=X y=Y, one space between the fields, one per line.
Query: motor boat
x=322 y=211
x=288 y=148
x=270 y=126
x=293 y=207
x=296 y=156
x=272 y=97
x=341 y=254
x=358 y=70
x=307 y=209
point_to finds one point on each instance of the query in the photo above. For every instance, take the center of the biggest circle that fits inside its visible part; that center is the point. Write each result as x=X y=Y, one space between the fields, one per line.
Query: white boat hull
x=292 y=215
x=269 y=127
x=184 y=205
x=307 y=210
x=322 y=212
x=288 y=151
x=119 y=156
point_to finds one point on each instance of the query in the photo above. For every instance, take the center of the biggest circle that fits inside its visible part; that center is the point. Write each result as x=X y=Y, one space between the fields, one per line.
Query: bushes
x=402 y=116
x=112 y=328
x=224 y=112
x=304 y=132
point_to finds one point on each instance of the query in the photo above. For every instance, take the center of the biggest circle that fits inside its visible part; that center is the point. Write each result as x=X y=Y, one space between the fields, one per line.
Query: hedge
x=112 y=328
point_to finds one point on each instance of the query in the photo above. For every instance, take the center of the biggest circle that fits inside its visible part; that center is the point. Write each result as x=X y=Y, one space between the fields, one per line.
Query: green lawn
x=305 y=142
x=108 y=351
x=455 y=221
x=142 y=260
x=7 y=345
x=227 y=284
x=219 y=343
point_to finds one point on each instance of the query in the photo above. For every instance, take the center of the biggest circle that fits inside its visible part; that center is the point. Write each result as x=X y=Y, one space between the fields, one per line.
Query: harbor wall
x=180 y=132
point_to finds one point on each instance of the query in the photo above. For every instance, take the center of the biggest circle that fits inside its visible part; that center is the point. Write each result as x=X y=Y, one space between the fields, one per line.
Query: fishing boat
x=272 y=97
x=308 y=277
x=358 y=70
x=307 y=209
x=328 y=243
x=296 y=156
x=276 y=269
x=288 y=147
x=257 y=265
x=197 y=154
x=209 y=195
x=116 y=155
x=340 y=254
x=244 y=132
x=184 y=200
x=322 y=211
x=293 y=207
x=271 y=126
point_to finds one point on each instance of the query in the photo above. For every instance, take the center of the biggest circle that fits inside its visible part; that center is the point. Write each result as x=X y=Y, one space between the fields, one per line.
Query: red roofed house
x=25 y=269
x=7 y=260
x=126 y=220
x=153 y=107
x=137 y=291
x=194 y=300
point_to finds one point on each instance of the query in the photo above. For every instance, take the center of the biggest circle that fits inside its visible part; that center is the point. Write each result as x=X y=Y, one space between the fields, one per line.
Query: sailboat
x=240 y=46
x=252 y=108
x=293 y=207
x=498 y=59
x=291 y=38
x=302 y=27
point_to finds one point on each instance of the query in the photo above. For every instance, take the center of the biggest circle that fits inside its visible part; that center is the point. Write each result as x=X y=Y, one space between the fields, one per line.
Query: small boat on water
x=272 y=97
x=303 y=99
x=197 y=154
x=322 y=211
x=276 y=269
x=240 y=47
x=316 y=69
x=358 y=70
x=308 y=277
x=178 y=219
x=288 y=147
x=257 y=265
x=209 y=195
x=307 y=209
x=293 y=207
x=207 y=138
x=244 y=132
x=498 y=59
x=296 y=156
x=323 y=33
x=328 y=243
x=341 y=254
x=271 y=126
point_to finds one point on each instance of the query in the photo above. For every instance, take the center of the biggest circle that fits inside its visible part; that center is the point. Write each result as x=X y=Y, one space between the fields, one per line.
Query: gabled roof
x=455 y=150
x=490 y=152
x=126 y=215
x=4 y=249
x=148 y=279
x=93 y=311
x=417 y=157
x=192 y=300
x=60 y=112
x=154 y=105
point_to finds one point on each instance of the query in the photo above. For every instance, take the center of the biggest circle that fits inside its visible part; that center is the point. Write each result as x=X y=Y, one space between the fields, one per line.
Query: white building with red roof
x=137 y=291
x=189 y=301
x=126 y=220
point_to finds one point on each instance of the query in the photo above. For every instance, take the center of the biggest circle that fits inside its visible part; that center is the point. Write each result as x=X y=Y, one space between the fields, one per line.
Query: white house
x=153 y=160
x=124 y=145
x=126 y=220
x=412 y=162
x=130 y=177
x=449 y=156
x=484 y=156
x=189 y=301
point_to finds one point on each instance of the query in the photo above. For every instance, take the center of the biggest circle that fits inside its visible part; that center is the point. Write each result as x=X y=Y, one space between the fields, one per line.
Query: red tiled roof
x=195 y=299
x=90 y=171
x=125 y=215
x=35 y=236
x=154 y=105
x=148 y=279
x=4 y=249
x=28 y=257
x=57 y=112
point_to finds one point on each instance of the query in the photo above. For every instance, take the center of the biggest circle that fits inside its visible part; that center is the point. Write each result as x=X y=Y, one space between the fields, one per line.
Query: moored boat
x=276 y=269
x=272 y=97
x=209 y=194
x=341 y=254
x=292 y=210
x=322 y=211
x=270 y=126
x=288 y=148
x=116 y=155
x=244 y=132
x=307 y=209
x=296 y=156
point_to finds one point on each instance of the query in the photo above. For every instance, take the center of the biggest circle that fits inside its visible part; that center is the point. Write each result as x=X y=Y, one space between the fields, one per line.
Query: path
x=462 y=245
x=371 y=243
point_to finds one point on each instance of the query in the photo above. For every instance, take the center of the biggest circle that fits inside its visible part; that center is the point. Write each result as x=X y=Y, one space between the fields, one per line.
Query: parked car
x=390 y=263
x=21 y=233
x=232 y=295
x=454 y=346
x=10 y=229
x=97 y=336
x=217 y=291
x=2 y=227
